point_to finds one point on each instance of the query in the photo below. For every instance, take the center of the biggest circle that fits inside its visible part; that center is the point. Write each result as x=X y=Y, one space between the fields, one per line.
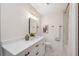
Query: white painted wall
x=55 y=20
x=0 y=32
x=73 y=30
x=14 y=21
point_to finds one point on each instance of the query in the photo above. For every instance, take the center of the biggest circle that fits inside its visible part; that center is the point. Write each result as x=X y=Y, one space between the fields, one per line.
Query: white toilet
x=48 y=48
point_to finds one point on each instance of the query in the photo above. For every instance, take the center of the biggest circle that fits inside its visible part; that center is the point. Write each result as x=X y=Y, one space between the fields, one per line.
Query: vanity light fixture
x=31 y=16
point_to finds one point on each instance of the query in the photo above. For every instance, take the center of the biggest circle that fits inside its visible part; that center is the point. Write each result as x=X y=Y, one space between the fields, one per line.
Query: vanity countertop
x=18 y=46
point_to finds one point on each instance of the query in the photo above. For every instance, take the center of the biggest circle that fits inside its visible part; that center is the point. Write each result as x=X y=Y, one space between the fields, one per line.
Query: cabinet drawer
x=26 y=52
x=38 y=44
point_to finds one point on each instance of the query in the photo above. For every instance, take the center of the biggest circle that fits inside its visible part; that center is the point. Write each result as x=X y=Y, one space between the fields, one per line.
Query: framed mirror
x=33 y=26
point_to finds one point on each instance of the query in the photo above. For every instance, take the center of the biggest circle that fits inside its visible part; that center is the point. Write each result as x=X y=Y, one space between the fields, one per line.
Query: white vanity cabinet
x=36 y=49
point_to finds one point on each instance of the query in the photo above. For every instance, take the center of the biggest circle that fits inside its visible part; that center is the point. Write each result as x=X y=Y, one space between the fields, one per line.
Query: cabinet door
x=31 y=51
x=6 y=53
x=38 y=49
x=42 y=49
x=21 y=54
x=26 y=52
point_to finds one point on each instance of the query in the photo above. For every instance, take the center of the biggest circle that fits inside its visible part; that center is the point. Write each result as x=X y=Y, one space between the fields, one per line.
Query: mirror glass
x=33 y=26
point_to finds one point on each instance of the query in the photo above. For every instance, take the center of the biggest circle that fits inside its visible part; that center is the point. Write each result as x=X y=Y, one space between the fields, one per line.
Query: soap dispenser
x=27 y=37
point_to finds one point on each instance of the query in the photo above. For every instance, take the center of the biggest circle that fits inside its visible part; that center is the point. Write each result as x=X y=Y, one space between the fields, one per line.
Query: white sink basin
x=32 y=38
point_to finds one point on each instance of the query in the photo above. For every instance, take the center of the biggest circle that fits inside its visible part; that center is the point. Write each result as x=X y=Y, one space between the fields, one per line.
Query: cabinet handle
x=27 y=54
x=37 y=53
x=37 y=45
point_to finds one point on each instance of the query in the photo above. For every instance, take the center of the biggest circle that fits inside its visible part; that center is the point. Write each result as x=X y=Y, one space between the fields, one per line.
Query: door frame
x=78 y=30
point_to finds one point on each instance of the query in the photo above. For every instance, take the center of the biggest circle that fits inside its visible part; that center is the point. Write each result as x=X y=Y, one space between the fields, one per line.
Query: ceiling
x=48 y=8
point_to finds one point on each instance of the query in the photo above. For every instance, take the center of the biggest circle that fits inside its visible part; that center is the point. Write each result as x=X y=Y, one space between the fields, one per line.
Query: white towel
x=58 y=33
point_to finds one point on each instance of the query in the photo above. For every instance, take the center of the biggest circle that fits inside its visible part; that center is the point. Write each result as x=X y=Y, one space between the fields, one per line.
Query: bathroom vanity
x=33 y=47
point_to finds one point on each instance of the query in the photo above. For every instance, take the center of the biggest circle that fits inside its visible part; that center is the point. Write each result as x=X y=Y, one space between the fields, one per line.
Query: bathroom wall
x=53 y=21
x=0 y=32
x=14 y=20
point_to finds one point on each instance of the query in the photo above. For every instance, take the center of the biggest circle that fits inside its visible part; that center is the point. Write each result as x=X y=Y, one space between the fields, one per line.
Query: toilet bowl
x=48 y=45
x=48 y=48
